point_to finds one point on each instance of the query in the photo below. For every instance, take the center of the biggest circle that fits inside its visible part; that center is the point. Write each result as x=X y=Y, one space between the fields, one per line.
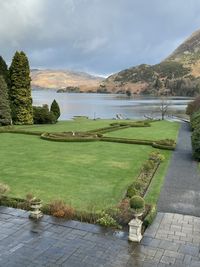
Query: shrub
x=148 y=166
x=107 y=221
x=195 y=120
x=156 y=156
x=196 y=143
x=150 y=217
x=193 y=106
x=58 y=208
x=137 y=203
x=131 y=191
x=125 y=213
x=42 y=115
x=139 y=185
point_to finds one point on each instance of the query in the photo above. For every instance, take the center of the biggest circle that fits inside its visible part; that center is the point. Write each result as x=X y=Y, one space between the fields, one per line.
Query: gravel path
x=181 y=189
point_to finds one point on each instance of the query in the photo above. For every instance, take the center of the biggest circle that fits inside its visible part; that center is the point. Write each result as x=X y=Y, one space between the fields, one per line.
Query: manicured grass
x=73 y=125
x=84 y=175
x=158 y=130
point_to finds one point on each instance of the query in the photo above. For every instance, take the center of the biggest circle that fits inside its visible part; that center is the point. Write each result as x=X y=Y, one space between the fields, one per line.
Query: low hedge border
x=109 y=129
x=126 y=140
x=142 y=183
x=51 y=137
x=155 y=144
x=92 y=136
x=20 y=132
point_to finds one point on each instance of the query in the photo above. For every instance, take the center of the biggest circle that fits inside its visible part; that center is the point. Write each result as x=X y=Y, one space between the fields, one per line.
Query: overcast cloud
x=97 y=36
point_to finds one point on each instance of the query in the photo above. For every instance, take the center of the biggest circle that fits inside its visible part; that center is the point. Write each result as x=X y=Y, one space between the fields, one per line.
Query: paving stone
x=168 y=260
x=189 y=250
x=48 y=243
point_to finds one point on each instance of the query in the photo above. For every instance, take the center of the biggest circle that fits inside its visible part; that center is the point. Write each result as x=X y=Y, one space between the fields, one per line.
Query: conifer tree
x=5 y=111
x=4 y=70
x=20 y=90
x=55 y=109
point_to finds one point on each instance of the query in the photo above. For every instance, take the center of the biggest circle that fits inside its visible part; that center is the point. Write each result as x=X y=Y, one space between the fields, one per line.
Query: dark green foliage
x=4 y=70
x=195 y=120
x=193 y=106
x=20 y=90
x=55 y=109
x=131 y=191
x=196 y=143
x=42 y=115
x=5 y=111
x=137 y=203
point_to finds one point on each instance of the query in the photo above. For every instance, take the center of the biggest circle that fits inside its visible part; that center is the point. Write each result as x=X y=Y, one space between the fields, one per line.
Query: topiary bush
x=137 y=203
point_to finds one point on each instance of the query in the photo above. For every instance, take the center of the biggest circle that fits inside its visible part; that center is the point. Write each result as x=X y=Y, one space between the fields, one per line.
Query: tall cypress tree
x=5 y=111
x=20 y=90
x=55 y=109
x=4 y=70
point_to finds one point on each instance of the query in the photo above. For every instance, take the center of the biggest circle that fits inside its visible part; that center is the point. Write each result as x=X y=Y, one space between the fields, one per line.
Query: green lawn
x=73 y=125
x=84 y=174
x=158 y=130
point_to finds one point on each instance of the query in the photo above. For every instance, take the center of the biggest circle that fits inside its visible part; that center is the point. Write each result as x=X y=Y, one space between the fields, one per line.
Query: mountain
x=57 y=79
x=178 y=74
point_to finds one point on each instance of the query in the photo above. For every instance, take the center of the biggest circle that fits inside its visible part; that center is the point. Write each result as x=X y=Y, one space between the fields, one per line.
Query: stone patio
x=172 y=240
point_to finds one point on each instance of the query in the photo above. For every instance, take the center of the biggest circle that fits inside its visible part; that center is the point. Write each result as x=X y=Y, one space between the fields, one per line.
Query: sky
x=96 y=36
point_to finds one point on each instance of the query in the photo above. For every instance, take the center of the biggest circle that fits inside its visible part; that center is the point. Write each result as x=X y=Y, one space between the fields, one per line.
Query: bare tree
x=164 y=105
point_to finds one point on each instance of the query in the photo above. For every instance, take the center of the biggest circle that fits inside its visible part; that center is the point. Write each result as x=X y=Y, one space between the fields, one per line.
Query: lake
x=107 y=105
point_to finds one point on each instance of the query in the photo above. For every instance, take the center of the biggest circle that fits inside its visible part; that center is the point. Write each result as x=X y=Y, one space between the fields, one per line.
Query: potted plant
x=137 y=205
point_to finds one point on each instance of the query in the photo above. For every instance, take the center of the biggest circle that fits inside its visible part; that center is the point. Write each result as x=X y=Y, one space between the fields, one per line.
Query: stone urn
x=36 y=205
x=137 y=205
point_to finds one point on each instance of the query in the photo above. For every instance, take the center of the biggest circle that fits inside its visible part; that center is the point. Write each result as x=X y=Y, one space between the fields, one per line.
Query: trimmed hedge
x=132 y=124
x=126 y=140
x=160 y=144
x=108 y=129
x=59 y=138
x=20 y=132
x=148 y=170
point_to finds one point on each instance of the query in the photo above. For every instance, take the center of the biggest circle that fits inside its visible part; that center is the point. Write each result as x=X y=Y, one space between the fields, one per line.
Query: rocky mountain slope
x=57 y=79
x=179 y=74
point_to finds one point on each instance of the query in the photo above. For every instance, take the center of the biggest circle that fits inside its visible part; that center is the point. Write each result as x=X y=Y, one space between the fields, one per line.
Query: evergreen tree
x=4 y=70
x=55 y=109
x=5 y=111
x=20 y=90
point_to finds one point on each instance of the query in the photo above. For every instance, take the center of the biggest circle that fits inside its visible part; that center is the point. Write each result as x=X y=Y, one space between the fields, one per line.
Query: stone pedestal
x=135 y=227
x=36 y=212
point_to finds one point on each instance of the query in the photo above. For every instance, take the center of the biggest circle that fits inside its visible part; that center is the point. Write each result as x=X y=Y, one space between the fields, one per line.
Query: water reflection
x=107 y=105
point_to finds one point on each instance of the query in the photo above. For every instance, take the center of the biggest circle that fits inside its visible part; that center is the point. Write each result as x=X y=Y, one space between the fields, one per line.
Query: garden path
x=181 y=189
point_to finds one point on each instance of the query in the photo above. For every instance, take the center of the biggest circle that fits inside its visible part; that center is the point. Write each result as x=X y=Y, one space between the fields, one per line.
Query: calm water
x=106 y=105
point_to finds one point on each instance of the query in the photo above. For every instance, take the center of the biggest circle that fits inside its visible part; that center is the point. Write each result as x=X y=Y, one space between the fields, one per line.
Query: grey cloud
x=99 y=36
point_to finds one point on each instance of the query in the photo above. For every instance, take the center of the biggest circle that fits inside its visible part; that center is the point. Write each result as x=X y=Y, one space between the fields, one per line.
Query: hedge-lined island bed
x=86 y=175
